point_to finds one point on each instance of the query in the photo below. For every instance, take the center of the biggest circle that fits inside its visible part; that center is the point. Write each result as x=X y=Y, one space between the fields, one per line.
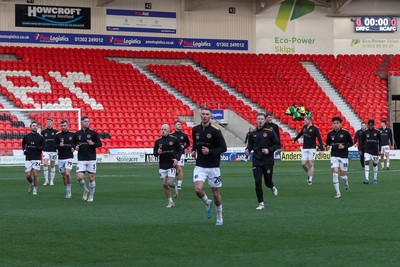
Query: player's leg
x=310 y=172
x=344 y=165
x=367 y=158
x=171 y=173
x=268 y=172
x=382 y=160
x=164 y=182
x=80 y=175
x=28 y=175
x=199 y=176
x=179 y=169
x=46 y=158
x=375 y=161
x=35 y=172
x=257 y=173
x=335 y=175
x=92 y=186
x=362 y=160
x=387 y=159
x=53 y=158
x=67 y=175
x=215 y=183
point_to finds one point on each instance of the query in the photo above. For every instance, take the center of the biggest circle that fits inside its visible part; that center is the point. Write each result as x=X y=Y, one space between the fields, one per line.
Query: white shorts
x=181 y=162
x=50 y=155
x=169 y=173
x=374 y=158
x=32 y=164
x=86 y=166
x=385 y=149
x=65 y=164
x=342 y=163
x=213 y=175
x=308 y=153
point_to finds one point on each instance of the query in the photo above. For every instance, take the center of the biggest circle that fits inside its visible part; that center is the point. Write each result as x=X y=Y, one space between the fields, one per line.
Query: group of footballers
x=61 y=145
x=263 y=140
x=373 y=144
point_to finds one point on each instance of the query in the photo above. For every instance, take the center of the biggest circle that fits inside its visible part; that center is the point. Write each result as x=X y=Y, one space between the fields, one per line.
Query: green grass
x=128 y=224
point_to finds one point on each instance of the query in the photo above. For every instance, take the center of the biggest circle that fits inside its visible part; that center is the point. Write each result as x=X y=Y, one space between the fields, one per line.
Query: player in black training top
x=273 y=126
x=65 y=149
x=169 y=151
x=185 y=143
x=208 y=145
x=32 y=145
x=357 y=140
x=310 y=134
x=264 y=142
x=86 y=141
x=386 y=144
x=370 y=141
x=339 y=141
x=49 y=152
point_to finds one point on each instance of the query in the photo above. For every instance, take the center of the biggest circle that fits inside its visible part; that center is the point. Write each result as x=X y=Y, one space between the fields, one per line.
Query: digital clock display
x=376 y=24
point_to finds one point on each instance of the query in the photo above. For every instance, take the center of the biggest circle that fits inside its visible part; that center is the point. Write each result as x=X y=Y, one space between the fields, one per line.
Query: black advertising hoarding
x=52 y=17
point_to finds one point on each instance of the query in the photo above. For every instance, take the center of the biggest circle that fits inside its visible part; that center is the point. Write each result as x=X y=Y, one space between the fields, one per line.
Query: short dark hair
x=84 y=118
x=363 y=123
x=384 y=121
x=371 y=122
x=32 y=122
x=268 y=114
x=337 y=119
x=175 y=122
x=261 y=114
x=206 y=108
x=49 y=119
x=64 y=121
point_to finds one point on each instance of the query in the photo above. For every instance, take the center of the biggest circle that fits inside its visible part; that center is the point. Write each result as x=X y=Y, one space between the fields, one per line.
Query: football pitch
x=128 y=224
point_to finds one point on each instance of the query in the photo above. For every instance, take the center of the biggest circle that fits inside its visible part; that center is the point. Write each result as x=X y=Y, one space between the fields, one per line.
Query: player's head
x=178 y=125
x=64 y=125
x=363 y=126
x=384 y=123
x=371 y=124
x=85 y=122
x=268 y=117
x=337 y=123
x=205 y=114
x=49 y=123
x=165 y=129
x=307 y=120
x=260 y=118
x=34 y=126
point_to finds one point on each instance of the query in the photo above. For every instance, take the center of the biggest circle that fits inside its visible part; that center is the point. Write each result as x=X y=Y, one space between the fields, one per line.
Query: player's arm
x=349 y=142
x=41 y=143
x=321 y=143
x=178 y=149
x=221 y=144
x=194 y=149
x=96 y=140
x=155 y=148
x=250 y=145
x=276 y=144
x=298 y=136
x=186 y=143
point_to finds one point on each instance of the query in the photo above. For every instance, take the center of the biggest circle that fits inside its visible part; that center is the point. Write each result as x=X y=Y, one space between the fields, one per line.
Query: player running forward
x=208 y=145
x=386 y=144
x=64 y=146
x=310 y=133
x=264 y=142
x=86 y=141
x=49 y=152
x=357 y=140
x=339 y=140
x=185 y=143
x=32 y=145
x=370 y=141
x=169 y=150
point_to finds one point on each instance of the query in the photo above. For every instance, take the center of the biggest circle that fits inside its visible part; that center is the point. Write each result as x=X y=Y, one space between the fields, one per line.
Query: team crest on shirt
x=88 y=136
x=197 y=136
x=333 y=138
x=374 y=134
x=209 y=136
x=367 y=135
x=341 y=136
x=181 y=137
x=52 y=133
x=45 y=135
x=70 y=138
x=79 y=137
x=264 y=134
x=310 y=130
x=171 y=143
x=268 y=171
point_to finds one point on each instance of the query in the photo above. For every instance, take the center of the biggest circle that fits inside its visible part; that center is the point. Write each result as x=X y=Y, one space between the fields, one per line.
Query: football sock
x=310 y=178
x=46 y=173
x=344 y=178
x=52 y=174
x=83 y=185
x=170 y=200
x=205 y=199
x=179 y=182
x=335 y=179
x=92 y=187
x=375 y=169
x=366 y=168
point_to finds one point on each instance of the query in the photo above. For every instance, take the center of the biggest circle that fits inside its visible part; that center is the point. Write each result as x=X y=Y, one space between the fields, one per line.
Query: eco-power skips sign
x=52 y=17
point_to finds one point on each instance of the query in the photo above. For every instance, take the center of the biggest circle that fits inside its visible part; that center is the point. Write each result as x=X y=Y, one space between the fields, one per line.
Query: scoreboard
x=376 y=24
